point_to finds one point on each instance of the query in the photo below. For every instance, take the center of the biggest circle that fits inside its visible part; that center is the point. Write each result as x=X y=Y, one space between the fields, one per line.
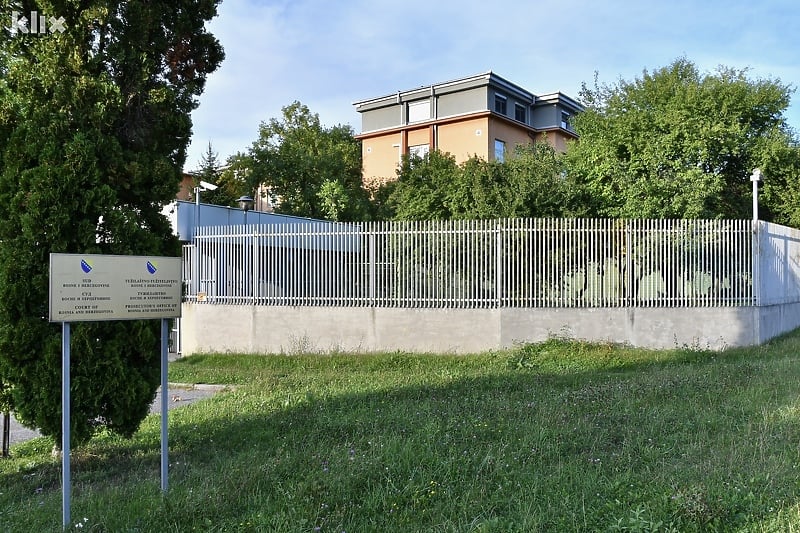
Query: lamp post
x=755 y=178
x=246 y=203
x=202 y=186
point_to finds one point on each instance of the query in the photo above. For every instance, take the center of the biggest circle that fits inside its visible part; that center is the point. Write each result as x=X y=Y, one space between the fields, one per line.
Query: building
x=483 y=115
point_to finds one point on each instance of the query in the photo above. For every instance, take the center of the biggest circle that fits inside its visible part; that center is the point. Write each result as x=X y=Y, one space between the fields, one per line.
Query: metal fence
x=476 y=264
x=777 y=269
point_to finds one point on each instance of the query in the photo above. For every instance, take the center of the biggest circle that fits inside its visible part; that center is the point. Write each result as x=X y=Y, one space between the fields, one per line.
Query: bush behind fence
x=478 y=263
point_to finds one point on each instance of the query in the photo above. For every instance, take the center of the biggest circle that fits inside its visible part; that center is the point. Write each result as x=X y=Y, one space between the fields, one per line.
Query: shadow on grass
x=694 y=441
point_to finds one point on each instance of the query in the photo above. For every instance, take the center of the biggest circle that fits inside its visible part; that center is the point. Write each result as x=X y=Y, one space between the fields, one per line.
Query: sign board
x=91 y=287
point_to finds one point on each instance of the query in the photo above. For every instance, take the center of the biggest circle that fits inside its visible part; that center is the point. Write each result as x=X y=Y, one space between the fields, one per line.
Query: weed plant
x=558 y=436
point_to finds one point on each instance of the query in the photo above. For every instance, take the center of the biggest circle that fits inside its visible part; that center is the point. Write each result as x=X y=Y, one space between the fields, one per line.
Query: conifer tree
x=94 y=124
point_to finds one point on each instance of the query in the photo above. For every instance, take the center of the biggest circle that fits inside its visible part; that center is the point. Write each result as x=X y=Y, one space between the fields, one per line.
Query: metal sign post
x=164 y=404
x=66 y=484
x=87 y=287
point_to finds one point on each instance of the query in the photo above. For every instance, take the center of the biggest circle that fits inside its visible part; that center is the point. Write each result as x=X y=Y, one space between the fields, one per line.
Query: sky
x=328 y=54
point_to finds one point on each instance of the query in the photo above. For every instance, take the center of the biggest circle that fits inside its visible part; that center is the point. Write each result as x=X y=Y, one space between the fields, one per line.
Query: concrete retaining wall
x=285 y=329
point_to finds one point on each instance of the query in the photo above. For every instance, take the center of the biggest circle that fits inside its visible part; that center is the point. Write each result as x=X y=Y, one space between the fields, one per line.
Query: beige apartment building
x=482 y=115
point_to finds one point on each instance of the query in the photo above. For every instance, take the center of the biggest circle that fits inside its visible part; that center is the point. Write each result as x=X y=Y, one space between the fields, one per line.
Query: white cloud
x=330 y=54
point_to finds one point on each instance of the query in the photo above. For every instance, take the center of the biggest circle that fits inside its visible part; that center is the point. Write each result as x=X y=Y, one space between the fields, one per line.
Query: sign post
x=66 y=484
x=89 y=287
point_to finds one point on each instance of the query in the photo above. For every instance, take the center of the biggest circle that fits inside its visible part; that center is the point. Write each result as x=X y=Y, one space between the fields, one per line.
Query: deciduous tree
x=312 y=170
x=530 y=183
x=677 y=143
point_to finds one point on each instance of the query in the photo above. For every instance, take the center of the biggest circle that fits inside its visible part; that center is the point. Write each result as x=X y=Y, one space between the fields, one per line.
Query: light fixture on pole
x=246 y=203
x=755 y=178
x=202 y=186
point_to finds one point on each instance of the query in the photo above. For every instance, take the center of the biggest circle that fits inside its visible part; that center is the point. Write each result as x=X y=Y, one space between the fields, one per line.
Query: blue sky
x=328 y=54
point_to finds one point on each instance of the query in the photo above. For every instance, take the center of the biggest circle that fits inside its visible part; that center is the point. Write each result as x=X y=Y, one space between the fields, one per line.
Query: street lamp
x=755 y=178
x=202 y=186
x=246 y=203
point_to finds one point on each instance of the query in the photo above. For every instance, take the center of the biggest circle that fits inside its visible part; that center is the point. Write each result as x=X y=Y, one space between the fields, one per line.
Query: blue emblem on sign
x=151 y=267
x=86 y=267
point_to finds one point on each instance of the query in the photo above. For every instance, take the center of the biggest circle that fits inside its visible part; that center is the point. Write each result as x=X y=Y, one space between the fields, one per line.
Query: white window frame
x=419 y=111
x=419 y=150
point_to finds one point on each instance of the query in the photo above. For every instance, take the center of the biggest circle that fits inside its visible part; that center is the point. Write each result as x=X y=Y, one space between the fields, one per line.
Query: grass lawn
x=559 y=436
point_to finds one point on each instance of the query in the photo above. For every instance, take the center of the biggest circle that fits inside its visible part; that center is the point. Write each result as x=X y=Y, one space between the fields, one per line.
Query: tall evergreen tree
x=212 y=171
x=94 y=124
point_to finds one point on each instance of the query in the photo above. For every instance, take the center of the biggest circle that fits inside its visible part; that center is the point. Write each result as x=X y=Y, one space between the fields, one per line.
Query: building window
x=418 y=150
x=499 y=150
x=500 y=104
x=419 y=111
x=565 y=120
x=519 y=113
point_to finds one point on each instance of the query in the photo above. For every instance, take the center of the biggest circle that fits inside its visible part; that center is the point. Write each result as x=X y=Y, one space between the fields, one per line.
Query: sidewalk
x=180 y=394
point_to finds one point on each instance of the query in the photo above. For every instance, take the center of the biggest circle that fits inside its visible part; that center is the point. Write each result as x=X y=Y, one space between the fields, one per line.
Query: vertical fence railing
x=477 y=263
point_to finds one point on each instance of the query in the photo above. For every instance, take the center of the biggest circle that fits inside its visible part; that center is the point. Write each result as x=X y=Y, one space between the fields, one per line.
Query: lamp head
x=246 y=203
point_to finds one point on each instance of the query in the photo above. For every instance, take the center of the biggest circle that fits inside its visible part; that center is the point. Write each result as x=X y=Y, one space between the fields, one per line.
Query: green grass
x=559 y=436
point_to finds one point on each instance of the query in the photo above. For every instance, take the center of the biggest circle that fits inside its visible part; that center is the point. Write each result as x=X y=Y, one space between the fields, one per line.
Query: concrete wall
x=774 y=320
x=276 y=329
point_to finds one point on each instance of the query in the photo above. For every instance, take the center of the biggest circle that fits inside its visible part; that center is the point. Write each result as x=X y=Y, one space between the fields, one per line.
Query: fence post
x=372 y=266
x=196 y=266
x=629 y=296
x=498 y=274
x=255 y=266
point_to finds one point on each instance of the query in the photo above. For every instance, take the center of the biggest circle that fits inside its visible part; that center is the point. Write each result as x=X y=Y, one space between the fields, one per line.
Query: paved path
x=179 y=395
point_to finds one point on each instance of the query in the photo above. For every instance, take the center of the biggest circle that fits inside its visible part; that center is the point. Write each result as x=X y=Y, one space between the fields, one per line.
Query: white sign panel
x=90 y=287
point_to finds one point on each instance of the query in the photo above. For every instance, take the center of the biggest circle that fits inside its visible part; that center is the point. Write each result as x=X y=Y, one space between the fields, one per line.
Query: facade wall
x=286 y=329
x=462 y=139
x=453 y=107
x=465 y=138
x=509 y=133
x=547 y=116
x=186 y=191
x=459 y=103
x=381 y=118
x=380 y=157
x=419 y=136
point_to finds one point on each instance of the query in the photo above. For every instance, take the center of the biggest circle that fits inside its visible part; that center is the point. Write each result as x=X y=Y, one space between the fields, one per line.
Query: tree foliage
x=94 y=124
x=422 y=189
x=528 y=184
x=212 y=171
x=311 y=170
x=676 y=143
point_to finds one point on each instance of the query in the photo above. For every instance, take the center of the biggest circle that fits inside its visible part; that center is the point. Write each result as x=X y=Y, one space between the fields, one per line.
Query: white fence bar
x=493 y=263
